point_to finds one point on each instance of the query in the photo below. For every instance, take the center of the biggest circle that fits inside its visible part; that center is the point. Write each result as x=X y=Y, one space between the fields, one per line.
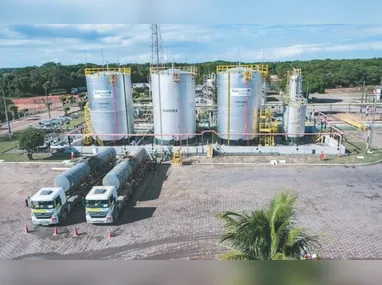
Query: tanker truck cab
x=49 y=206
x=101 y=205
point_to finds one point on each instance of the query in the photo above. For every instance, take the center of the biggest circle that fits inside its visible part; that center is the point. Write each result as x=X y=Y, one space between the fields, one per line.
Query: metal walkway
x=353 y=121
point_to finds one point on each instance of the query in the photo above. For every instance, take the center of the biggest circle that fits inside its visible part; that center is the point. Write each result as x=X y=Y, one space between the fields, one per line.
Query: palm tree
x=14 y=109
x=63 y=100
x=66 y=110
x=267 y=234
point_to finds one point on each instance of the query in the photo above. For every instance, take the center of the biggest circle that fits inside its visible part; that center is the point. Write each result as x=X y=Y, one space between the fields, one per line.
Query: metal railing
x=191 y=69
x=263 y=68
x=91 y=71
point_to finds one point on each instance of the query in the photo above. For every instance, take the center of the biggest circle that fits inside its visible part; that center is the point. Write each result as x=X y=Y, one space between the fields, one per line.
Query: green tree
x=47 y=86
x=267 y=234
x=81 y=105
x=30 y=140
x=83 y=96
x=24 y=111
x=63 y=100
x=14 y=109
x=318 y=74
x=71 y=99
x=66 y=110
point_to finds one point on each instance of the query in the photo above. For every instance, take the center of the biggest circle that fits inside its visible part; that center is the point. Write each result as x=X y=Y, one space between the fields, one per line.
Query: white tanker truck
x=51 y=205
x=105 y=203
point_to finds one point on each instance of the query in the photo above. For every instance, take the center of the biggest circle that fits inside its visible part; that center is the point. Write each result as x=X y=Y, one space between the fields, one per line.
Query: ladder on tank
x=89 y=129
x=267 y=127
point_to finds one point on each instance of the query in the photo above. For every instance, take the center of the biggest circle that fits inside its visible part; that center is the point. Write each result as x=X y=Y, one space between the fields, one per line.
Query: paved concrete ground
x=175 y=216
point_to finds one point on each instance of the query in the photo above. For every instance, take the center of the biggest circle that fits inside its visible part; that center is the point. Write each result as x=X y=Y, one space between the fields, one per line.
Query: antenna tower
x=156 y=46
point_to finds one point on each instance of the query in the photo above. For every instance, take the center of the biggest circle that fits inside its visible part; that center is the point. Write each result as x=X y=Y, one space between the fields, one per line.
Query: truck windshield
x=97 y=203
x=42 y=204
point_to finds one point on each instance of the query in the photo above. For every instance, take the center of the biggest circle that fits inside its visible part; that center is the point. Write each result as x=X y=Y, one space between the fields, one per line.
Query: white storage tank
x=174 y=111
x=110 y=102
x=294 y=119
x=265 y=90
x=239 y=93
x=295 y=86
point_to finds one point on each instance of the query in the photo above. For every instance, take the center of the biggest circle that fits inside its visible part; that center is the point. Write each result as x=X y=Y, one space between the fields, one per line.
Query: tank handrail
x=90 y=71
x=263 y=68
x=192 y=69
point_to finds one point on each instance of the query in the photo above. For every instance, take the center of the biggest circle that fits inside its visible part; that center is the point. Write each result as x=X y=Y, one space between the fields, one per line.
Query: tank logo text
x=240 y=91
x=100 y=94
x=169 y=110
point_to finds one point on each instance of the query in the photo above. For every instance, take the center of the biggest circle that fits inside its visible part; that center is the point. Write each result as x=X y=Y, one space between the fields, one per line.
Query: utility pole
x=156 y=57
x=370 y=130
x=6 y=110
x=47 y=103
x=363 y=94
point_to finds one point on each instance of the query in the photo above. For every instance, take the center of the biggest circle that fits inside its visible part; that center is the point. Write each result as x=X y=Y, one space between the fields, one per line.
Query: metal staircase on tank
x=89 y=129
x=267 y=127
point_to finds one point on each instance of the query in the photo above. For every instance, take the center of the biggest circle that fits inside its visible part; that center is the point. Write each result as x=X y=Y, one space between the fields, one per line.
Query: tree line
x=318 y=75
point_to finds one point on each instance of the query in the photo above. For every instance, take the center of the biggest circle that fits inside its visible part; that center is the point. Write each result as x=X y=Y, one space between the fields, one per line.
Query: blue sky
x=22 y=45
x=289 y=30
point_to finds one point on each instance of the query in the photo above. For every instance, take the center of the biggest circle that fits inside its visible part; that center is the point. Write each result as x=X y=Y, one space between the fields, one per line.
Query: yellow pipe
x=229 y=106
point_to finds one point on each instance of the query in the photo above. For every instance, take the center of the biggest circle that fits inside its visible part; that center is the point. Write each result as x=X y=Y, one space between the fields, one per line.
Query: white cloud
x=290 y=51
x=194 y=43
x=279 y=53
x=373 y=30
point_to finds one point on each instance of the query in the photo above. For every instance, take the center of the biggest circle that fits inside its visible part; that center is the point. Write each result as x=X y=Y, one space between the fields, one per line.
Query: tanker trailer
x=105 y=203
x=51 y=205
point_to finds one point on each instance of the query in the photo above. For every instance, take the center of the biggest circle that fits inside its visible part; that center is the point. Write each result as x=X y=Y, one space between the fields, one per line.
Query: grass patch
x=76 y=120
x=356 y=148
x=352 y=158
x=22 y=157
x=7 y=144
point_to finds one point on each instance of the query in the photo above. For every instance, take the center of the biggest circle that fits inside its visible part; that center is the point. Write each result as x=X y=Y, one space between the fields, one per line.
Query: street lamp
x=6 y=110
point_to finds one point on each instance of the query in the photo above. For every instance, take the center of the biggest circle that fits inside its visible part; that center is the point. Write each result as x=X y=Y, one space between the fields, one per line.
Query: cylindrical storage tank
x=173 y=93
x=138 y=154
x=119 y=174
x=238 y=103
x=295 y=120
x=285 y=119
x=107 y=155
x=295 y=87
x=73 y=176
x=111 y=104
x=265 y=93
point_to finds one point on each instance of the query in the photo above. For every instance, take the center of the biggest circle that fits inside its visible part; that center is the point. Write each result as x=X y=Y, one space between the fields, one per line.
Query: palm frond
x=234 y=255
x=266 y=234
